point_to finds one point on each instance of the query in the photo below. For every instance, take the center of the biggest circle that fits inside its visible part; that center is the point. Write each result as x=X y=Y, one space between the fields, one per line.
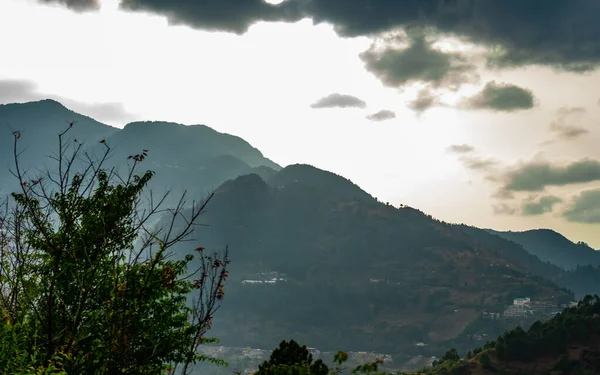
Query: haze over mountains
x=353 y=272
x=196 y=157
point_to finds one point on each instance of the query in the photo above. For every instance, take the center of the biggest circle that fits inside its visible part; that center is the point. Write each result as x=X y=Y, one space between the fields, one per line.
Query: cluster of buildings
x=266 y=278
x=364 y=357
x=523 y=307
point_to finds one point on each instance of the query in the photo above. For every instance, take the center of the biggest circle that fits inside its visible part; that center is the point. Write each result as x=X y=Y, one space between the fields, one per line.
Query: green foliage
x=88 y=286
x=485 y=360
x=574 y=324
x=291 y=358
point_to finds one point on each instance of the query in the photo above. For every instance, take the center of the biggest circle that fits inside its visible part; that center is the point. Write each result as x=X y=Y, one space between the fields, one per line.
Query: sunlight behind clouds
x=260 y=86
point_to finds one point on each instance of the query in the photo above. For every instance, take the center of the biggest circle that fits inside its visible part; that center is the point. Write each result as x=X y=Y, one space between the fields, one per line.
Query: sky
x=480 y=112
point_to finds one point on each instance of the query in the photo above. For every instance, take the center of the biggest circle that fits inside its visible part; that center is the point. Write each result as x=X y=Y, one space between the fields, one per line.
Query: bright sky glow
x=260 y=86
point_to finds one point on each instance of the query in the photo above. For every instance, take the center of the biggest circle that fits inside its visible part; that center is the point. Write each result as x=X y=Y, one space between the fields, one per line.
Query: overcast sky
x=482 y=112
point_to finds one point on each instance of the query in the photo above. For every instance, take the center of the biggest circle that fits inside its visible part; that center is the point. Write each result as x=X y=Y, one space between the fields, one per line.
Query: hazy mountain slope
x=193 y=158
x=432 y=279
x=553 y=247
x=185 y=145
x=39 y=124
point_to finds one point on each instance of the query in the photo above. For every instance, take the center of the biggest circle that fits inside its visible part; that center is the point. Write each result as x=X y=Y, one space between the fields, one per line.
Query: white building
x=521 y=301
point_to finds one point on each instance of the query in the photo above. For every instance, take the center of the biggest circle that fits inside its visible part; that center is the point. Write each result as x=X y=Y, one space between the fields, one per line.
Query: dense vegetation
x=346 y=260
x=568 y=343
x=87 y=286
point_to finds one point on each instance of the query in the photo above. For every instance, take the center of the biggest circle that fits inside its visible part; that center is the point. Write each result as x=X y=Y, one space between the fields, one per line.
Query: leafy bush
x=87 y=285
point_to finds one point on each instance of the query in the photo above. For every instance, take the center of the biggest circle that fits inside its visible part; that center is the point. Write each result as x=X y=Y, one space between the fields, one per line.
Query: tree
x=485 y=360
x=88 y=285
x=292 y=358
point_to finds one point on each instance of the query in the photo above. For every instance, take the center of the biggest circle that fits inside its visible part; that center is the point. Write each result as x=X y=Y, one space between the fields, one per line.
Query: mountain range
x=352 y=273
x=196 y=158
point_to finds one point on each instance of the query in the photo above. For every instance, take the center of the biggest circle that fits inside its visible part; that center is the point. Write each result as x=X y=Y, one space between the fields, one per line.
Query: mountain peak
x=43 y=104
x=553 y=247
x=317 y=178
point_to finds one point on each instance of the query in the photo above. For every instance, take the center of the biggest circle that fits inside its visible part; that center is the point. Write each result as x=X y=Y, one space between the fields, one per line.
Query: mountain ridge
x=553 y=247
x=359 y=273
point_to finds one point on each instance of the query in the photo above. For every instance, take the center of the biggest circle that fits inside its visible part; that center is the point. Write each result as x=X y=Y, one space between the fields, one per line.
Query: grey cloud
x=478 y=163
x=541 y=206
x=536 y=176
x=16 y=91
x=382 y=115
x=585 y=208
x=504 y=209
x=418 y=62
x=566 y=131
x=565 y=111
x=110 y=112
x=563 y=34
x=566 y=124
x=76 y=5
x=425 y=100
x=502 y=193
x=12 y=91
x=461 y=149
x=500 y=97
x=234 y=16
x=339 y=101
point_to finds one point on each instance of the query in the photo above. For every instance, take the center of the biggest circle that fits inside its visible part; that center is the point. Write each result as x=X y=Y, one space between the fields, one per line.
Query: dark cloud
x=536 y=176
x=541 y=206
x=18 y=91
x=425 y=100
x=461 y=149
x=396 y=67
x=339 y=101
x=566 y=125
x=503 y=209
x=76 y=5
x=500 y=97
x=559 y=33
x=382 y=115
x=585 y=208
x=234 y=16
x=563 y=34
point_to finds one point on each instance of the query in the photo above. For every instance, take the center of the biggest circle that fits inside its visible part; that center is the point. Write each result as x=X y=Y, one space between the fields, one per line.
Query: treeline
x=578 y=325
x=575 y=326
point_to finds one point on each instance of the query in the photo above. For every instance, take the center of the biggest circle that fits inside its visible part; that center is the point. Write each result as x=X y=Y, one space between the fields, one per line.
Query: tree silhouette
x=290 y=355
x=88 y=284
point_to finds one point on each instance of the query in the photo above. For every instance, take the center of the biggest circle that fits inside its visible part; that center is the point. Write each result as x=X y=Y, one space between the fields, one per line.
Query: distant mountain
x=310 y=176
x=361 y=275
x=196 y=158
x=39 y=124
x=553 y=247
x=185 y=145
